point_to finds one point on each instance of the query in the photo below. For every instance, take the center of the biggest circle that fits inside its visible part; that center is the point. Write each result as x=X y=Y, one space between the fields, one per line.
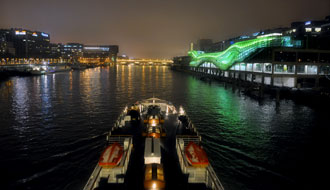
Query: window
x=311 y=69
x=243 y=66
x=249 y=67
x=317 y=29
x=279 y=68
x=237 y=66
x=324 y=70
x=301 y=69
x=290 y=69
x=308 y=29
x=257 y=67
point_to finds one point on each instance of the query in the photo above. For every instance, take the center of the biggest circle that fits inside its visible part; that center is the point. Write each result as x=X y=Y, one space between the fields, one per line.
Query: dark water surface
x=52 y=128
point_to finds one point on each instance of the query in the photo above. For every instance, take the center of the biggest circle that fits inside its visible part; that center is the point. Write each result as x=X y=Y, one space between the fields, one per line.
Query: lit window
x=317 y=29
x=308 y=29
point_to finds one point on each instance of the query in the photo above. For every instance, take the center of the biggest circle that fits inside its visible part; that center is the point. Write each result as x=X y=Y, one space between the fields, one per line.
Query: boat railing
x=191 y=125
x=189 y=138
x=92 y=179
x=211 y=179
x=95 y=176
x=117 y=138
x=120 y=119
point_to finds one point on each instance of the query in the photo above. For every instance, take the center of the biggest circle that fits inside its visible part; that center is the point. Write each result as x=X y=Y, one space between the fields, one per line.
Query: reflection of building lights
x=181 y=111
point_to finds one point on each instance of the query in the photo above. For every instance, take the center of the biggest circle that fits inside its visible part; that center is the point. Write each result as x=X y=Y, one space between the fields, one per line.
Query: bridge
x=144 y=61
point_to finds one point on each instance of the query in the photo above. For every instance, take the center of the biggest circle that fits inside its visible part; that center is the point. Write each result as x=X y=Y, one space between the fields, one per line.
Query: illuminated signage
x=308 y=23
x=17 y=32
x=44 y=34
x=34 y=34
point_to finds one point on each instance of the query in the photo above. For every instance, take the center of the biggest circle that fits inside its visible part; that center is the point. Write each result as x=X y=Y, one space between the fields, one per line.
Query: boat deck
x=154 y=118
x=173 y=175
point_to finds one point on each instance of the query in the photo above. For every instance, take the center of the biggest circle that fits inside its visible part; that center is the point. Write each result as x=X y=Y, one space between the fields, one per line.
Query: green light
x=238 y=52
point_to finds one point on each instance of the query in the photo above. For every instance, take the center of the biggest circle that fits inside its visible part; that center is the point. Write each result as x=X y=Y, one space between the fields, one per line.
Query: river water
x=52 y=128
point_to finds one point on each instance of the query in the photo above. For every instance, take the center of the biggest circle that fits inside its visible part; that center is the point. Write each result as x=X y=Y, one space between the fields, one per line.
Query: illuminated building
x=7 y=49
x=55 y=50
x=28 y=44
x=313 y=33
x=101 y=51
x=72 y=50
x=239 y=51
x=295 y=57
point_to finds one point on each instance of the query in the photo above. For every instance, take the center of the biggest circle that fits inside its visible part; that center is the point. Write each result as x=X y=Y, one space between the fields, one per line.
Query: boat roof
x=152 y=152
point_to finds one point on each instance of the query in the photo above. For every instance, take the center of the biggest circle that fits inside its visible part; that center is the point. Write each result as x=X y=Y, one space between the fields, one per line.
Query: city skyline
x=151 y=29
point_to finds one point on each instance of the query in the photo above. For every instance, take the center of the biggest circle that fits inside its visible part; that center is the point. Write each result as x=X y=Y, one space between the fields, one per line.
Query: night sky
x=154 y=28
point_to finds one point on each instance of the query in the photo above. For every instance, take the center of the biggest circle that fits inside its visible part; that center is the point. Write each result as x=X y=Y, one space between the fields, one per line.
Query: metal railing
x=94 y=178
x=211 y=180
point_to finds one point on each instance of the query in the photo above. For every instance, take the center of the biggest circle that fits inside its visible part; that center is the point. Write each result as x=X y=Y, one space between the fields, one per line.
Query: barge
x=167 y=153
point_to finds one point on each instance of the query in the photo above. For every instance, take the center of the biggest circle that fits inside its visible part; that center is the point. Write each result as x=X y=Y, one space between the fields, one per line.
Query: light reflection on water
x=52 y=127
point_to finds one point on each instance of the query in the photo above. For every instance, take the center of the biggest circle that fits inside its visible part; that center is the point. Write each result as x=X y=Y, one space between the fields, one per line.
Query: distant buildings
x=6 y=47
x=22 y=43
x=72 y=50
x=100 y=51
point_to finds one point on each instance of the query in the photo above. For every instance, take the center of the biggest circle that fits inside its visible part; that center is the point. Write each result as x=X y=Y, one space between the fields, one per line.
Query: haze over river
x=52 y=128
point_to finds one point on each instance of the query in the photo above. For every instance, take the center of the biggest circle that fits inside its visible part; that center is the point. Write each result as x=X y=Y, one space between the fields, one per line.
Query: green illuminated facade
x=239 y=51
